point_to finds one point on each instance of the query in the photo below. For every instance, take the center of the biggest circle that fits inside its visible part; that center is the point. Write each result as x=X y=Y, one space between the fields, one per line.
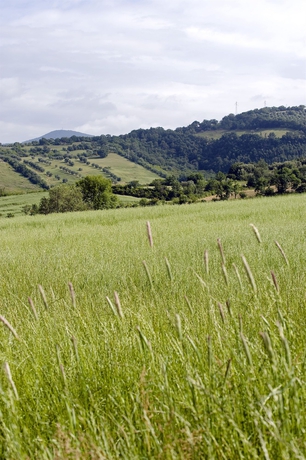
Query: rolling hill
x=274 y=134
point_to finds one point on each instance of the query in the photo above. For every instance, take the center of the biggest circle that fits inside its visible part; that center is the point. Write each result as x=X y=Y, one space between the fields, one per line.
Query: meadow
x=217 y=134
x=181 y=338
x=13 y=182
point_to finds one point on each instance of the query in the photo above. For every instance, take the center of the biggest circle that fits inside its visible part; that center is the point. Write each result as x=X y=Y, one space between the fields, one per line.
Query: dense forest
x=189 y=148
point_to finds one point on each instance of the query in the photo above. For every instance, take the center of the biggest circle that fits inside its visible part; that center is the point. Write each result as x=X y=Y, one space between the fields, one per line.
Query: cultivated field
x=183 y=350
x=115 y=164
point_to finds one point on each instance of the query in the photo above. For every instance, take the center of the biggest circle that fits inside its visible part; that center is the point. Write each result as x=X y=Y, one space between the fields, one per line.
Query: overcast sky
x=110 y=66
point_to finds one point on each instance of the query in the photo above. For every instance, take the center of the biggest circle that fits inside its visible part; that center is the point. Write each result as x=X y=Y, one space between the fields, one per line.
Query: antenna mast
x=236 y=108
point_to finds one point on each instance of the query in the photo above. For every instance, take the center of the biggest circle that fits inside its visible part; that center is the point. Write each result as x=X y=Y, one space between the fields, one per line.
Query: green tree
x=284 y=179
x=97 y=192
x=63 y=198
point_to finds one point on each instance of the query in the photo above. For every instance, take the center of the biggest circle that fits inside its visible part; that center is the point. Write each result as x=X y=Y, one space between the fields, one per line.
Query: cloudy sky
x=110 y=66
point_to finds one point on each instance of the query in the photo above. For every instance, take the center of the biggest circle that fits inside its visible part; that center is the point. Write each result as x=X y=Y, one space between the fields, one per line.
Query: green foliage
x=97 y=192
x=287 y=176
x=63 y=198
x=92 y=192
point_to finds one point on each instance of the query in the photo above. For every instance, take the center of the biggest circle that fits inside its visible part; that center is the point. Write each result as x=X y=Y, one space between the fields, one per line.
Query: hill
x=58 y=134
x=272 y=134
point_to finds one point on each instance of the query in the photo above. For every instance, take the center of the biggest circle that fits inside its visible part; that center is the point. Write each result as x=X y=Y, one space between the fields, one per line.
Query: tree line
x=289 y=176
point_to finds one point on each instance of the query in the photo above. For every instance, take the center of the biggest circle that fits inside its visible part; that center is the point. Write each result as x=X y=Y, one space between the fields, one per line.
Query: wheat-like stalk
x=275 y=281
x=43 y=296
x=33 y=308
x=169 y=269
x=9 y=326
x=110 y=303
x=178 y=324
x=118 y=305
x=268 y=345
x=148 y=273
x=10 y=379
x=282 y=252
x=72 y=293
x=257 y=234
x=221 y=312
x=188 y=304
x=149 y=231
x=246 y=349
x=224 y=271
x=249 y=273
x=221 y=250
x=206 y=260
x=238 y=275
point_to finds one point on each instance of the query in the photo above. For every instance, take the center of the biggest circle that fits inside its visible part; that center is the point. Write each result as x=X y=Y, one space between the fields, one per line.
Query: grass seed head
x=43 y=296
x=10 y=379
x=249 y=274
x=118 y=305
x=282 y=252
x=221 y=250
x=206 y=260
x=246 y=350
x=257 y=234
x=149 y=231
x=238 y=275
x=9 y=326
x=72 y=293
x=225 y=275
x=221 y=312
x=169 y=269
x=275 y=281
x=268 y=344
x=33 y=308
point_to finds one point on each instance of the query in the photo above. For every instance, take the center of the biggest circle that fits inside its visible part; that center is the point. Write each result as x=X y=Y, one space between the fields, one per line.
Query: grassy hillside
x=111 y=166
x=218 y=133
x=13 y=182
x=182 y=350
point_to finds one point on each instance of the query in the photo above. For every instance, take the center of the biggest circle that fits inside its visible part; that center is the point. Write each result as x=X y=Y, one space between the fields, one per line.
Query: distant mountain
x=58 y=134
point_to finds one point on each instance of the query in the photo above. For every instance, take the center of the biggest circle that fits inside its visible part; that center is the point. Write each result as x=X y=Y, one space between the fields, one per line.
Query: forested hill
x=274 y=134
x=290 y=118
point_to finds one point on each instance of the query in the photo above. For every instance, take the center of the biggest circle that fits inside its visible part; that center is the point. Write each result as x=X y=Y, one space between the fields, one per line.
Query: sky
x=111 y=66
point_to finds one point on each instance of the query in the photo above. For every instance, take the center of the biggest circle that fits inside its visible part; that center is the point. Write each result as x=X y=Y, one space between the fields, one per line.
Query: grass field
x=261 y=132
x=126 y=169
x=14 y=182
x=180 y=350
x=13 y=204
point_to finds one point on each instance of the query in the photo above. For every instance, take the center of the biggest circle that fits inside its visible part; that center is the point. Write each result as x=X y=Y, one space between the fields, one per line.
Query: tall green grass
x=183 y=338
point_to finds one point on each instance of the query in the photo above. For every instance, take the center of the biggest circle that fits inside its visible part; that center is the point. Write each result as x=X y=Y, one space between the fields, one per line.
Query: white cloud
x=110 y=66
